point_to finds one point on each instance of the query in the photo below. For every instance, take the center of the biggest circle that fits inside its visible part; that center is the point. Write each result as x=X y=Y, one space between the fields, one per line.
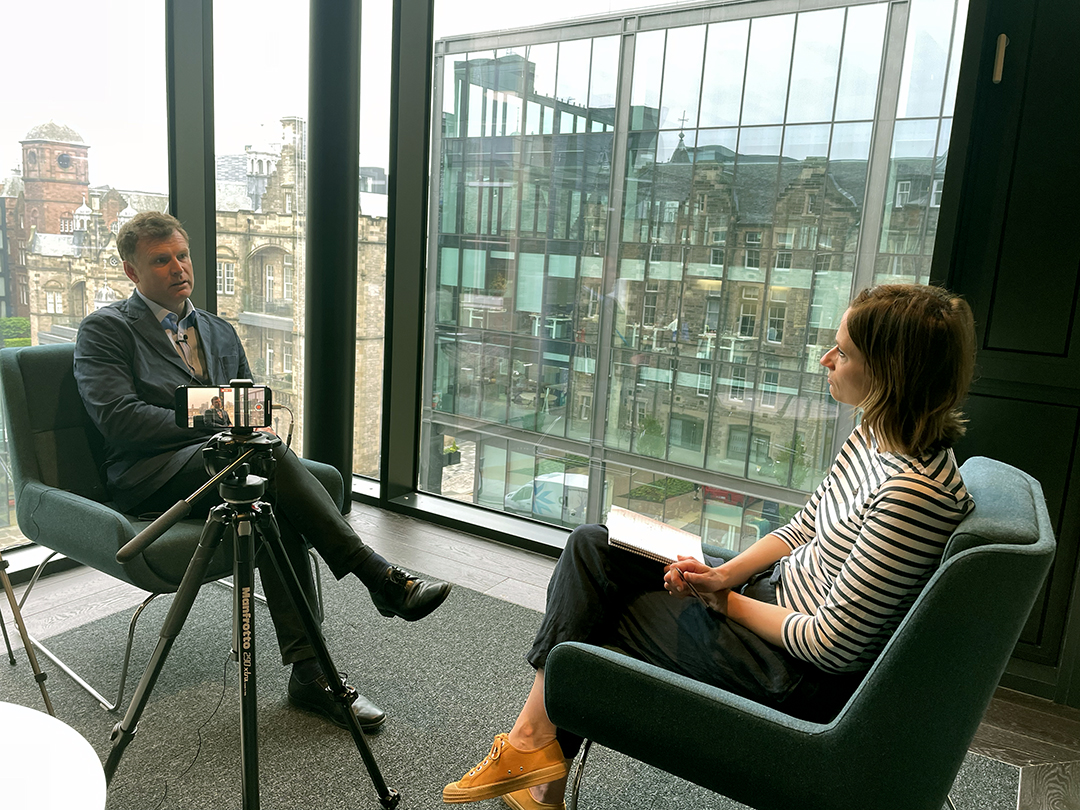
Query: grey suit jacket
x=127 y=370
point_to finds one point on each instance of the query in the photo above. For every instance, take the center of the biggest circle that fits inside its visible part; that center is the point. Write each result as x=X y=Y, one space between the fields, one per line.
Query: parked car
x=552 y=496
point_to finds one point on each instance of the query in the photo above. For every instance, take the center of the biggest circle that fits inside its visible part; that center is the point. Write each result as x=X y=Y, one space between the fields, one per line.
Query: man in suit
x=216 y=415
x=129 y=359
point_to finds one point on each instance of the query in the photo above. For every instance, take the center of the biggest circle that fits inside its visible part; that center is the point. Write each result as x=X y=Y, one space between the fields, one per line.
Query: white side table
x=46 y=764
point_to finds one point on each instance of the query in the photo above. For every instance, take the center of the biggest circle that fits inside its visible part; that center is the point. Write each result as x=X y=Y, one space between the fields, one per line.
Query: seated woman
x=794 y=620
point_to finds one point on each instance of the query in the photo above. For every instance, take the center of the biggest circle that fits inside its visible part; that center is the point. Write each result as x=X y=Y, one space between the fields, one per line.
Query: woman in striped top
x=795 y=619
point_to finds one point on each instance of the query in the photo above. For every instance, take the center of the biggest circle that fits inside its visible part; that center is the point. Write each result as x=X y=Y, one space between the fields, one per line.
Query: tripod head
x=246 y=482
x=239 y=461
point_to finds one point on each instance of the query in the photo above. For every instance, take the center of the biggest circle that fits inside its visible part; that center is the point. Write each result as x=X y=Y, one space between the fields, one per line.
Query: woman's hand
x=689 y=577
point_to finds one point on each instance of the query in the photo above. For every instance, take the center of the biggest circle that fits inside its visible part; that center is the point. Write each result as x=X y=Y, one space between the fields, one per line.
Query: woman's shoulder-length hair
x=918 y=343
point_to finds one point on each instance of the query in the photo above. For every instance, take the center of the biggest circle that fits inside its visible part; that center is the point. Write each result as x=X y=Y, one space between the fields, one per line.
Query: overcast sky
x=98 y=67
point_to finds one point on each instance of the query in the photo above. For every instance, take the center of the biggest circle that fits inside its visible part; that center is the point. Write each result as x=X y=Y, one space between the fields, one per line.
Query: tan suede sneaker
x=506 y=769
x=523 y=800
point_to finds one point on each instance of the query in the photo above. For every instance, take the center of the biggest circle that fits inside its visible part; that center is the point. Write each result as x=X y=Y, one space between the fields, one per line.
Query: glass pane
x=954 y=57
x=73 y=167
x=814 y=68
x=640 y=160
x=260 y=143
x=864 y=35
x=725 y=62
x=645 y=91
x=682 y=77
x=926 y=57
x=937 y=186
x=767 y=66
x=911 y=170
x=573 y=87
x=604 y=83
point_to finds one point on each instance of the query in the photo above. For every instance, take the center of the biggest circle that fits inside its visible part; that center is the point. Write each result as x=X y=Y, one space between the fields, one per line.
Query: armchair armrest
x=91 y=533
x=706 y=735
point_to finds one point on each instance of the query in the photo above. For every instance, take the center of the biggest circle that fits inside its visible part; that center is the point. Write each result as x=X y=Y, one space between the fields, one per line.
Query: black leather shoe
x=407 y=595
x=316 y=697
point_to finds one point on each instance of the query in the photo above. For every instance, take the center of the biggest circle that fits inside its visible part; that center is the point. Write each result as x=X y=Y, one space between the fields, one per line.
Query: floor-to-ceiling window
x=260 y=145
x=261 y=58
x=83 y=147
x=643 y=233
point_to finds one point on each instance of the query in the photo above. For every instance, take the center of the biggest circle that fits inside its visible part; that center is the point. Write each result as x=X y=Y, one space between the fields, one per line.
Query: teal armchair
x=899 y=741
x=61 y=501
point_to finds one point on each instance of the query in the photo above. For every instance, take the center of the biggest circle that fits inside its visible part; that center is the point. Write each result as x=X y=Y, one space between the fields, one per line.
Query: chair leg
x=318 y=584
x=949 y=801
x=39 y=676
x=576 y=787
x=105 y=703
x=7 y=643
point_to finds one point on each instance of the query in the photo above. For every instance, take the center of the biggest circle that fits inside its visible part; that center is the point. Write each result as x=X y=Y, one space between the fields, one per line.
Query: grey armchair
x=899 y=741
x=61 y=501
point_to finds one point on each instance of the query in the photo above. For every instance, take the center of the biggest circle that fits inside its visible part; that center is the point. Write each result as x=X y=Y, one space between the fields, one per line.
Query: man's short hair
x=147 y=225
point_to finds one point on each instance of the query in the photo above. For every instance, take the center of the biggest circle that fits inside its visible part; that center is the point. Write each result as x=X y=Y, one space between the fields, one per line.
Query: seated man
x=129 y=359
x=216 y=415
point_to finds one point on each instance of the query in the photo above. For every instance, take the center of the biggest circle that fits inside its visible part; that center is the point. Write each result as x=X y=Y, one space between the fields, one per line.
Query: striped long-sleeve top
x=863 y=548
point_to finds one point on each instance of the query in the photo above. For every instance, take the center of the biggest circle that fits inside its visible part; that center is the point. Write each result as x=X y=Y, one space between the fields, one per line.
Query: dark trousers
x=605 y=596
x=305 y=513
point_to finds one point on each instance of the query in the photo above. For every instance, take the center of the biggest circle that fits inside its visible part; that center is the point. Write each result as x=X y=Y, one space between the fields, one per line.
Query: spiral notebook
x=651 y=538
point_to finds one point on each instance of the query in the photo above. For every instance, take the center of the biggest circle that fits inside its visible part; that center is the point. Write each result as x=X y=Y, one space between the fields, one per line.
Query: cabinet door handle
x=999 y=57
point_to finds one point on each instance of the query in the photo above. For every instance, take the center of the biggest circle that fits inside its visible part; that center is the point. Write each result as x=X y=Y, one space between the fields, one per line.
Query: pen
x=693 y=590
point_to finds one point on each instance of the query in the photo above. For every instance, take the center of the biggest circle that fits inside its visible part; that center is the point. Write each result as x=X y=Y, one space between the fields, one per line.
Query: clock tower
x=56 y=177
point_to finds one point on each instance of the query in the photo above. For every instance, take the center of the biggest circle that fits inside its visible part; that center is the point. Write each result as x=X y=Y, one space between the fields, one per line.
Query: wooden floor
x=1018 y=729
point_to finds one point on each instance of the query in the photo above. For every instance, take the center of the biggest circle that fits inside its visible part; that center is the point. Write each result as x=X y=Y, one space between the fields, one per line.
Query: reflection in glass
x=767 y=65
x=574 y=73
x=604 y=83
x=864 y=35
x=910 y=186
x=645 y=91
x=640 y=159
x=725 y=62
x=922 y=83
x=682 y=77
x=685 y=326
x=814 y=66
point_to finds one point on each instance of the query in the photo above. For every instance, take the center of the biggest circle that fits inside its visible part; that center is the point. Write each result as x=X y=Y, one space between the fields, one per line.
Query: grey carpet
x=448 y=684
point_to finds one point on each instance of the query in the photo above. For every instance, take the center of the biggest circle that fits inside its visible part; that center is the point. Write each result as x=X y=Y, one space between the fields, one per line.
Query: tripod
x=230 y=458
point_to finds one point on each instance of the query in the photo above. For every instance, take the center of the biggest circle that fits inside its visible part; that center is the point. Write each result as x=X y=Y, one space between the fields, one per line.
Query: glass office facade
x=643 y=235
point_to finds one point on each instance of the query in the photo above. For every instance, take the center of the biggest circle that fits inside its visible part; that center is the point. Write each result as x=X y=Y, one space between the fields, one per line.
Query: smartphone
x=223 y=407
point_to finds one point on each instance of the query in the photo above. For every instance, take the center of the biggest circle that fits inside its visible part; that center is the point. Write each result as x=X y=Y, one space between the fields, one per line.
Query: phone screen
x=223 y=407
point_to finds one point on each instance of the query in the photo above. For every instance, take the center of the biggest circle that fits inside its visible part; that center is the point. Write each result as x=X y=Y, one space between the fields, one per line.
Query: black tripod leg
x=267 y=526
x=174 y=621
x=244 y=614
